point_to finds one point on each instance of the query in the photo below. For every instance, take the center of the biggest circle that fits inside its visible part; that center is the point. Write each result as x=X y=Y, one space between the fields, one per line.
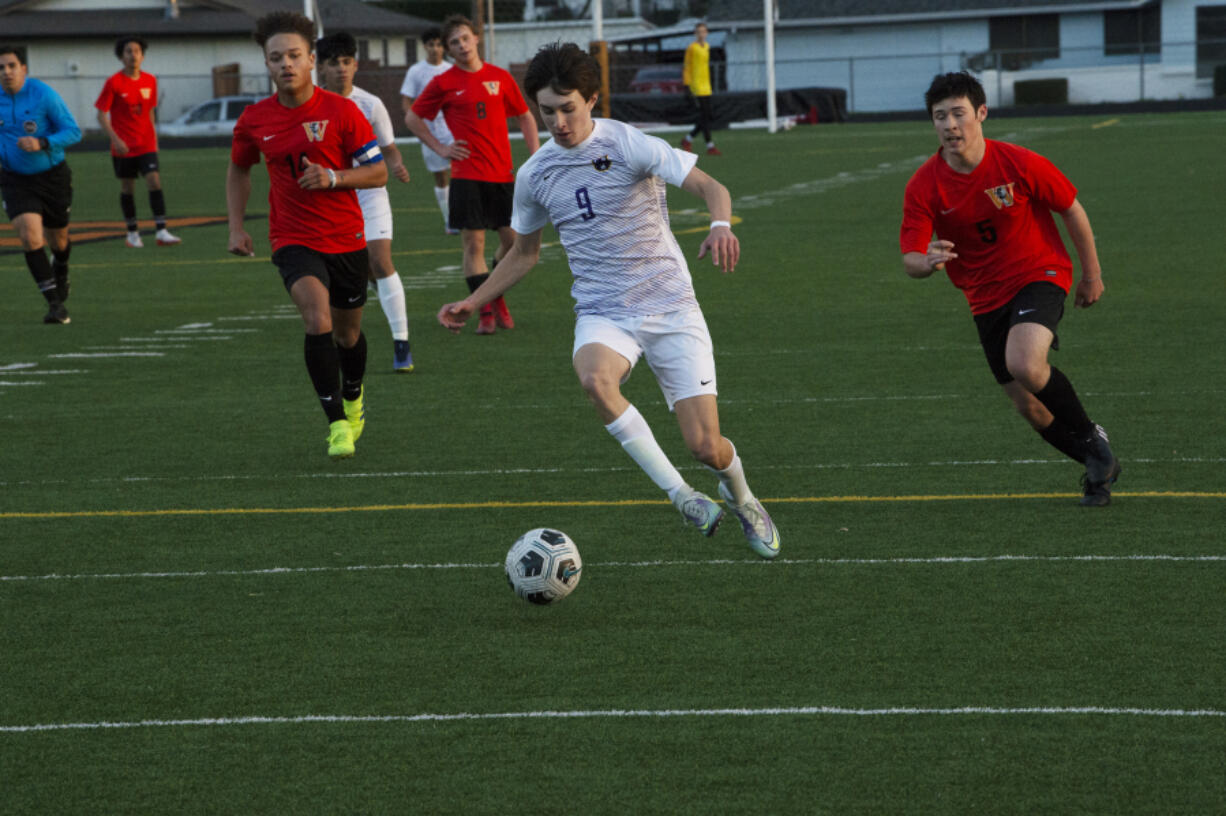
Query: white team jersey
x=415 y=81
x=606 y=197
x=374 y=200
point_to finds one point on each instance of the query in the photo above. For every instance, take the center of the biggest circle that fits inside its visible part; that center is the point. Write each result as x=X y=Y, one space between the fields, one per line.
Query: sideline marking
x=511 y=505
x=711 y=562
x=614 y=713
x=1107 y=123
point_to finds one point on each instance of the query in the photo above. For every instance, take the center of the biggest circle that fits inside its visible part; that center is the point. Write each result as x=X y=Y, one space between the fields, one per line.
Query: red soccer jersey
x=328 y=130
x=476 y=105
x=999 y=219
x=130 y=103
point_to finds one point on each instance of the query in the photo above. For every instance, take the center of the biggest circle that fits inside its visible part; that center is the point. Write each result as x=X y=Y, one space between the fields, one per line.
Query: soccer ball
x=543 y=566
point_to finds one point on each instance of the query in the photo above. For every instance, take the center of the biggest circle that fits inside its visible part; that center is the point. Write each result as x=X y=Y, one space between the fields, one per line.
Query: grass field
x=200 y=613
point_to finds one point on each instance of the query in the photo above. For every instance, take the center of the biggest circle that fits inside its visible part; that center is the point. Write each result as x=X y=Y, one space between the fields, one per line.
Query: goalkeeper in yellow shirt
x=697 y=78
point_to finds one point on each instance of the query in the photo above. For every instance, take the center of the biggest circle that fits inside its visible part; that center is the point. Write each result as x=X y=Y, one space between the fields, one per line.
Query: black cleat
x=1102 y=469
x=57 y=314
x=61 y=280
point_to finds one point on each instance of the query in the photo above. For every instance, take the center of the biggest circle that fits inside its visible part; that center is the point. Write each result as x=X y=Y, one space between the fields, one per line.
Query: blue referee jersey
x=36 y=110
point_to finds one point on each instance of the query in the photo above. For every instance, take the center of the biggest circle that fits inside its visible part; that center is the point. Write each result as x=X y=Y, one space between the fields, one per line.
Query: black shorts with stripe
x=48 y=193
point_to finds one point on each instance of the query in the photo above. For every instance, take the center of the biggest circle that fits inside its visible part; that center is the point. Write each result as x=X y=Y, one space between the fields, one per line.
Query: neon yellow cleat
x=355 y=412
x=340 y=439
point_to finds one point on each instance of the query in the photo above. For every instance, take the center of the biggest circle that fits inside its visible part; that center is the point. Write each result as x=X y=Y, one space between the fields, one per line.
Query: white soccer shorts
x=377 y=212
x=434 y=162
x=677 y=346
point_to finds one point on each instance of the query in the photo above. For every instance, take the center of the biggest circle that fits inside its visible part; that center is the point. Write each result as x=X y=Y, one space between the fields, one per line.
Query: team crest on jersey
x=315 y=130
x=603 y=163
x=492 y=87
x=1001 y=195
x=146 y=93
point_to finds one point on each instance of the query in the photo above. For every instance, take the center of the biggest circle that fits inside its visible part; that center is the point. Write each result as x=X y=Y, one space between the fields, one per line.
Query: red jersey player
x=981 y=211
x=125 y=113
x=311 y=140
x=476 y=99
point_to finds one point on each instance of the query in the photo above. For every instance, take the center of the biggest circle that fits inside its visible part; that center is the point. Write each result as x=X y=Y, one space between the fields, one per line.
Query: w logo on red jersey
x=1001 y=195
x=492 y=87
x=315 y=130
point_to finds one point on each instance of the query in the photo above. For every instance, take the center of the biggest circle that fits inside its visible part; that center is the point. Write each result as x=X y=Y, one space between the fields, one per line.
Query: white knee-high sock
x=440 y=195
x=733 y=477
x=631 y=430
x=391 y=298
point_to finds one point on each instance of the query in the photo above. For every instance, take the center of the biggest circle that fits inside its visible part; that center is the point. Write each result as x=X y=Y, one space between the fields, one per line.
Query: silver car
x=213 y=118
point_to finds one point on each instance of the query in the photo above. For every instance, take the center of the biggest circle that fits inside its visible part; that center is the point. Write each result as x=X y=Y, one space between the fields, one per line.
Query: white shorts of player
x=677 y=346
x=377 y=212
x=434 y=162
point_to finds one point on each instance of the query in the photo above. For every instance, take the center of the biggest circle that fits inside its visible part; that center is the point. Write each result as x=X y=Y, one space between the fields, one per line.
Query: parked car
x=662 y=79
x=213 y=118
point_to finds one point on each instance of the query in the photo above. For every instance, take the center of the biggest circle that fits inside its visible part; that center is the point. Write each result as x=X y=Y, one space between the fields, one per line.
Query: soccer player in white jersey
x=337 y=58
x=415 y=81
x=601 y=184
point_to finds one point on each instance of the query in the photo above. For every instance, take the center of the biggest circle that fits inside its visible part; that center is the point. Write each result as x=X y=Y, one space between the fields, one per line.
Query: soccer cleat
x=1102 y=469
x=700 y=510
x=57 y=314
x=502 y=315
x=712 y=150
x=486 y=323
x=450 y=231
x=134 y=240
x=355 y=413
x=760 y=531
x=686 y=144
x=340 y=439
x=61 y=280
x=402 y=358
x=166 y=239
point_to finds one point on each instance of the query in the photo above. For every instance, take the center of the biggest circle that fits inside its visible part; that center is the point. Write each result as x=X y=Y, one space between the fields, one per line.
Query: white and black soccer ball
x=543 y=566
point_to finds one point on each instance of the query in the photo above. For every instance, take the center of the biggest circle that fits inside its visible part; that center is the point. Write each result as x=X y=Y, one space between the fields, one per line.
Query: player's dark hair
x=562 y=67
x=18 y=51
x=947 y=86
x=284 y=22
x=335 y=45
x=122 y=42
x=431 y=34
x=454 y=21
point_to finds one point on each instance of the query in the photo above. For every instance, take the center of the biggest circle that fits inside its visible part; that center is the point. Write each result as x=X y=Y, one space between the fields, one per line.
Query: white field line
x=792 y=711
x=713 y=562
x=81 y=355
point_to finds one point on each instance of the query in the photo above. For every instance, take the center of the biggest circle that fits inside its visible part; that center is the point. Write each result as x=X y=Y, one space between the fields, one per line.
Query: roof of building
x=850 y=12
x=22 y=19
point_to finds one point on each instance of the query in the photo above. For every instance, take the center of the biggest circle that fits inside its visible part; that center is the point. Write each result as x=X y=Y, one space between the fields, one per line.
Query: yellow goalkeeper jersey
x=697 y=71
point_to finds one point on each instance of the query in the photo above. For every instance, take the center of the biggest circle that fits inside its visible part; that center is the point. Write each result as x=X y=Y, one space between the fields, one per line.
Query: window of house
x=1135 y=31
x=1210 y=39
x=1023 y=39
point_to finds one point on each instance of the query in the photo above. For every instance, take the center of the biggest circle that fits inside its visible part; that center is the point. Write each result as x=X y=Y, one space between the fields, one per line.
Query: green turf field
x=200 y=613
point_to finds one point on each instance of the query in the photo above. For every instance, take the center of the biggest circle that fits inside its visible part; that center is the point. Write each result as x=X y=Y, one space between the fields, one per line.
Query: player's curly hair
x=946 y=86
x=454 y=21
x=337 y=44
x=284 y=22
x=123 y=41
x=431 y=34
x=563 y=67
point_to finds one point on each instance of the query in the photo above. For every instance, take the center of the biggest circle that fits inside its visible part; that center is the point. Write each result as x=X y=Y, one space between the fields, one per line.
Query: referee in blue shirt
x=35 y=182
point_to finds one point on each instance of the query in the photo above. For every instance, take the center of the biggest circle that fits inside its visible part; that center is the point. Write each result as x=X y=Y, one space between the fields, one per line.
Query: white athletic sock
x=631 y=430
x=440 y=195
x=733 y=477
x=391 y=298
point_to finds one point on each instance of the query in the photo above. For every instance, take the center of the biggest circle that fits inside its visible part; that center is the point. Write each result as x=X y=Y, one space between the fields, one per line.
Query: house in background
x=198 y=49
x=885 y=52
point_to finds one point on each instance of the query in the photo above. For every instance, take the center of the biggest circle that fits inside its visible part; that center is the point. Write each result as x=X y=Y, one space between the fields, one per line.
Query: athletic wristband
x=715 y=224
x=331 y=178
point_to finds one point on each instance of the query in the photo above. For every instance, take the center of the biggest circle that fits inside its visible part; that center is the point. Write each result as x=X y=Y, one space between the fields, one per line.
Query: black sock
x=59 y=267
x=1059 y=397
x=127 y=203
x=475 y=281
x=353 y=367
x=157 y=203
x=324 y=367
x=1058 y=435
x=40 y=269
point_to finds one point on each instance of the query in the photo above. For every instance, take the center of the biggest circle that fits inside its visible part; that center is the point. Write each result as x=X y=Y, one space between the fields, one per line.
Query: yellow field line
x=504 y=505
x=1107 y=123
